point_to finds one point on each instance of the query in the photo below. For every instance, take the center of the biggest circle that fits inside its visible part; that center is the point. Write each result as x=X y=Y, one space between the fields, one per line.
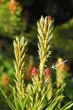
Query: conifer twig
x=19 y=51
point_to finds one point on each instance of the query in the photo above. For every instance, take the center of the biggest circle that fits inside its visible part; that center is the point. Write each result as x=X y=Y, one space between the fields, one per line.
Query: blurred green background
x=20 y=18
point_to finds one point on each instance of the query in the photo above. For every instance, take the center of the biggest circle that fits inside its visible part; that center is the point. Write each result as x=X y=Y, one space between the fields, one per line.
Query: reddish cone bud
x=49 y=17
x=47 y=71
x=12 y=6
x=34 y=71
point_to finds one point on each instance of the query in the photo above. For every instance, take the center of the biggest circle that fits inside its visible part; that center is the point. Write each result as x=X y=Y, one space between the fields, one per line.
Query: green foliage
x=62 y=39
x=41 y=105
x=68 y=88
x=10 y=20
x=6 y=65
x=35 y=97
x=14 y=23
